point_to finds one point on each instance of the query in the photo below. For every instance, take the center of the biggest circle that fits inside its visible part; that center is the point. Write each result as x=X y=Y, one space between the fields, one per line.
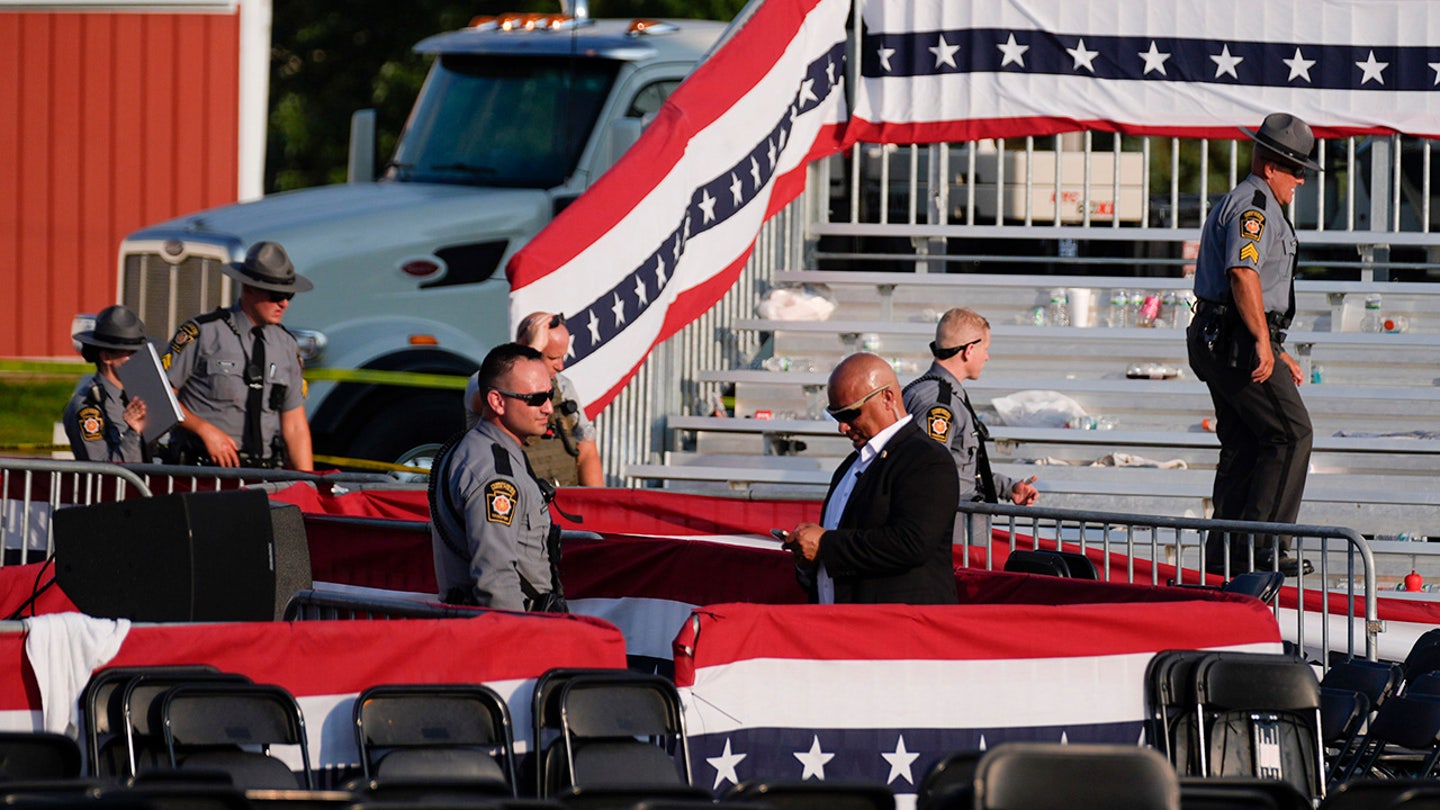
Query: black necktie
x=984 y=481
x=254 y=404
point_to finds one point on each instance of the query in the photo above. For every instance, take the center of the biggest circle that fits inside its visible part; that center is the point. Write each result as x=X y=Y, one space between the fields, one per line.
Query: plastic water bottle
x=1132 y=307
x=1373 y=321
x=1058 y=312
x=1115 y=316
x=1149 y=310
x=1395 y=324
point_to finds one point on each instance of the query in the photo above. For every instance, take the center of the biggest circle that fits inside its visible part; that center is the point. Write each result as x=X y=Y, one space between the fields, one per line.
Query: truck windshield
x=515 y=121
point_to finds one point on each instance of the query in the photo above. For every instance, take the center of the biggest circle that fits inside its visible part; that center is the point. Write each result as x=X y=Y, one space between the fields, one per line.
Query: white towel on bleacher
x=64 y=649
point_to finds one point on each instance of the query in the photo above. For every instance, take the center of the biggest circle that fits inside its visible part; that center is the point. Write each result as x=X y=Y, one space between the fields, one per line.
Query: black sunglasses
x=1297 y=172
x=946 y=354
x=851 y=412
x=556 y=320
x=276 y=297
x=534 y=400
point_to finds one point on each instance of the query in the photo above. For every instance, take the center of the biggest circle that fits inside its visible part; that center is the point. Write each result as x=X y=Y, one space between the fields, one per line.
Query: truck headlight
x=312 y=344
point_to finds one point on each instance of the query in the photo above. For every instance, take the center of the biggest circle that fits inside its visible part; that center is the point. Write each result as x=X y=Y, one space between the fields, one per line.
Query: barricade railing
x=31 y=489
x=1340 y=557
x=318 y=605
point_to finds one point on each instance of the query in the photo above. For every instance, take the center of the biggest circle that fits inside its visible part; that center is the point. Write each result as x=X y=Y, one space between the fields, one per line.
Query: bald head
x=864 y=397
x=863 y=371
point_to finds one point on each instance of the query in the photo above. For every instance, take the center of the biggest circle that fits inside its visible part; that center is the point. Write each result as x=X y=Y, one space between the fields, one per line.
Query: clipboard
x=143 y=377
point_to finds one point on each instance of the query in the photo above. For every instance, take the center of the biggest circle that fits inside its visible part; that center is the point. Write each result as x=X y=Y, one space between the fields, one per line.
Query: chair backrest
x=230 y=727
x=1370 y=794
x=791 y=795
x=1051 y=776
x=1241 y=794
x=547 y=754
x=141 y=698
x=1424 y=655
x=102 y=712
x=950 y=782
x=1263 y=585
x=1079 y=565
x=435 y=731
x=1047 y=563
x=1377 y=680
x=623 y=729
x=38 y=755
x=1260 y=717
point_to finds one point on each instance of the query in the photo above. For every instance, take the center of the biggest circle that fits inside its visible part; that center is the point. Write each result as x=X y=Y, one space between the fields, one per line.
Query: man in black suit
x=890 y=512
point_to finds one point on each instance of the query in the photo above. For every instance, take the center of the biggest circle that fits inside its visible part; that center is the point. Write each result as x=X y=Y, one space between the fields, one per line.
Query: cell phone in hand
x=781 y=535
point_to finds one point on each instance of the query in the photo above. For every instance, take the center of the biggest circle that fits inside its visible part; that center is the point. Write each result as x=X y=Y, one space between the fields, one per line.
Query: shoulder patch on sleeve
x=501 y=501
x=1252 y=225
x=92 y=423
x=938 y=422
x=1250 y=254
x=184 y=336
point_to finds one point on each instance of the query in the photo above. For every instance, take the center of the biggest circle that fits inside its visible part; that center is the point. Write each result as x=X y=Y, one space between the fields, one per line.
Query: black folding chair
x=1260 y=717
x=232 y=727
x=1424 y=655
x=1263 y=585
x=1051 y=776
x=791 y=795
x=102 y=715
x=419 y=732
x=38 y=755
x=1372 y=794
x=1170 y=700
x=1241 y=793
x=622 y=730
x=949 y=784
x=1403 y=740
x=1376 y=680
x=546 y=752
x=141 y=698
x=1343 y=715
x=1046 y=563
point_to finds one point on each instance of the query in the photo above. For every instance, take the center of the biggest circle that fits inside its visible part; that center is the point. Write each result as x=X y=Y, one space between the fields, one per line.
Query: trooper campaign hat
x=1288 y=137
x=116 y=327
x=268 y=267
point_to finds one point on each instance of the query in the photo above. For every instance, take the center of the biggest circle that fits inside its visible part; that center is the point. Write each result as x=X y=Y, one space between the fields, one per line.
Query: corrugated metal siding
x=108 y=121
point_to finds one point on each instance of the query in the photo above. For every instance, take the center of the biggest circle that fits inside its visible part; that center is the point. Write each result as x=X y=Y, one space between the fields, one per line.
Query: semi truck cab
x=518 y=115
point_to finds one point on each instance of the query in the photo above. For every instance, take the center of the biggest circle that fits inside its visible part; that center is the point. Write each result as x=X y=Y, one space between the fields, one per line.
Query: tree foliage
x=329 y=59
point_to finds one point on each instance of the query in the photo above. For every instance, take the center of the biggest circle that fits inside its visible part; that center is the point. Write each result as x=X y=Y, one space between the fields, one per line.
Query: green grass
x=30 y=405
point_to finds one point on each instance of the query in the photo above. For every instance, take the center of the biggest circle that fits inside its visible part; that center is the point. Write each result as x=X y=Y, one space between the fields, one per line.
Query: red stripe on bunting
x=710 y=91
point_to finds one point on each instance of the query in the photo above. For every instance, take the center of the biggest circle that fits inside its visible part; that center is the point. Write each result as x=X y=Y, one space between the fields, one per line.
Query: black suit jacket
x=893 y=542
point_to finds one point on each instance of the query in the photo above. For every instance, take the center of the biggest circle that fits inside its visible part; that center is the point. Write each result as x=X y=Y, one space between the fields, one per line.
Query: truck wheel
x=400 y=427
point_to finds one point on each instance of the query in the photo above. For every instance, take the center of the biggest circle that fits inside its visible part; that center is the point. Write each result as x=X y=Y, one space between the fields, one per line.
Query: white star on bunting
x=814 y=760
x=1014 y=52
x=1225 y=63
x=724 y=766
x=1373 y=69
x=1154 y=59
x=944 y=52
x=1299 y=66
x=900 y=762
x=1083 y=58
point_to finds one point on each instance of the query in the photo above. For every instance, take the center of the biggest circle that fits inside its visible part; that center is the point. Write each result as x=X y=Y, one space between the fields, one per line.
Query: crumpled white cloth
x=1132 y=460
x=64 y=649
x=1037 y=409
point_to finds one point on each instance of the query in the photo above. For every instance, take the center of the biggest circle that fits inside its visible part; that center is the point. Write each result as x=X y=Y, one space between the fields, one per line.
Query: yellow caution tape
x=367 y=464
x=32 y=448
x=452 y=382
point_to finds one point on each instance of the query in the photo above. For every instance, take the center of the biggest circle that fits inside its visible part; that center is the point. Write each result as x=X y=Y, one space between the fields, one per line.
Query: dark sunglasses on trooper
x=534 y=400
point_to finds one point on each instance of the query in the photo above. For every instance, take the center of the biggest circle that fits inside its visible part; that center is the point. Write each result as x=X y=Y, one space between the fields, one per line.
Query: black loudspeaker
x=209 y=556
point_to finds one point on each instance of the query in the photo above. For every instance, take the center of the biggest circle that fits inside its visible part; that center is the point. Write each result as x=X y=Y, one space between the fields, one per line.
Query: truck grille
x=166 y=295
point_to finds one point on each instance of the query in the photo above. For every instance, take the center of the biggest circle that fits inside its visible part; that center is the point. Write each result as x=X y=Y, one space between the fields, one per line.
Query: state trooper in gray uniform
x=237 y=374
x=939 y=403
x=1245 y=291
x=101 y=422
x=493 y=541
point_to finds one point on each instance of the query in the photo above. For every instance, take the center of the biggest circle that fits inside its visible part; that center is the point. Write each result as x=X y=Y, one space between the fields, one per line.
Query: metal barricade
x=313 y=605
x=1180 y=542
x=31 y=489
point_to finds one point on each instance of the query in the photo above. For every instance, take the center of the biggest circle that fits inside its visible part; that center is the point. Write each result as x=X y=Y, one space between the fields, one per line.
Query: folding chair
x=613 y=797
x=1240 y=793
x=950 y=783
x=1424 y=655
x=231 y=727
x=1047 y=563
x=1371 y=794
x=436 y=732
x=1407 y=726
x=1262 y=585
x=1376 y=680
x=1052 y=776
x=545 y=750
x=102 y=715
x=1170 y=700
x=1260 y=717
x=1427 y=685
x=141 y=698
x=790 y=795
x=622 y=730
x=1343 y=715
x=38 y=755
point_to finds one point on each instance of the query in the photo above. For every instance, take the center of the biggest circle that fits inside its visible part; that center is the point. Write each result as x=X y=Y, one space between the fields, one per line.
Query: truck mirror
x=361 y=167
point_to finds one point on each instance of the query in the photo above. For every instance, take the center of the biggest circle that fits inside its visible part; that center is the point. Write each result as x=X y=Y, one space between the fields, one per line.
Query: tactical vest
x=552 y=456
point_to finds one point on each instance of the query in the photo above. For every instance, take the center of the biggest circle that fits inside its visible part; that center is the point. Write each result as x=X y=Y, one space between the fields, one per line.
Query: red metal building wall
x=108 y=121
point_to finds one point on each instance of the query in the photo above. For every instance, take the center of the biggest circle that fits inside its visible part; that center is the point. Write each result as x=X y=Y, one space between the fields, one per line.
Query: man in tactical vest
x=236 y=372
x=566 y=455
x=941 y=406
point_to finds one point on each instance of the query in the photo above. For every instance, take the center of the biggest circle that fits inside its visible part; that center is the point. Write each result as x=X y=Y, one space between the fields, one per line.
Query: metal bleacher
x=1375 y=406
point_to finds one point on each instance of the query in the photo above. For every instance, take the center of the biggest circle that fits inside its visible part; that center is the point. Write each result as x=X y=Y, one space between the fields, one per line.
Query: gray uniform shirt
x=502 y=517
x=206 y=361
x=949 y=423
x=1247 y=228
x=95 y=423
